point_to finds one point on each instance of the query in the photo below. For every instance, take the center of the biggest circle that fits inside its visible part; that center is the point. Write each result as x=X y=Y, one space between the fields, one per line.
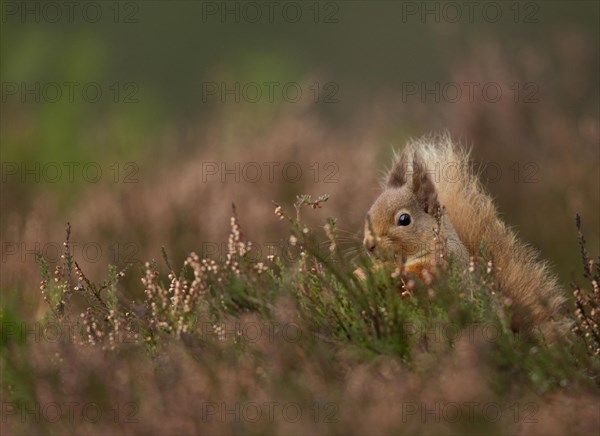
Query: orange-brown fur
x=431 y=173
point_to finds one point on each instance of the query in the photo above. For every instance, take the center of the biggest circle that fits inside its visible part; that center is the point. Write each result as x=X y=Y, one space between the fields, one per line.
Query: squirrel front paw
x=422 y=270
x=377 y=265
x=360 y=274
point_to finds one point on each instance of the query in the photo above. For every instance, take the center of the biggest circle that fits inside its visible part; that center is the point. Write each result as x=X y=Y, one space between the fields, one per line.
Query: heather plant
x=382 y=309
x=102 y=318
x=587 y=303
x=195 y=322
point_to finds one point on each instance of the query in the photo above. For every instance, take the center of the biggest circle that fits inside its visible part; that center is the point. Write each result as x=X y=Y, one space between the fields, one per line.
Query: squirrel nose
x=370 y=245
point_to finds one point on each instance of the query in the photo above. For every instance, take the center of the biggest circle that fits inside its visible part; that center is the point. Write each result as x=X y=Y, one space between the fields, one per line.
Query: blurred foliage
x=251 y=329
x=370 y=50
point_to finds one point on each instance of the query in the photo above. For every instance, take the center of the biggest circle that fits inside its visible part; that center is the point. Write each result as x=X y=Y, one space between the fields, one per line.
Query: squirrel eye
x=404 y=219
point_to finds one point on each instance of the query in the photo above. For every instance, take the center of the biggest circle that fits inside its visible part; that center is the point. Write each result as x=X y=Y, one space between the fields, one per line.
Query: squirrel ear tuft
x=423 y=187
x=397 y=175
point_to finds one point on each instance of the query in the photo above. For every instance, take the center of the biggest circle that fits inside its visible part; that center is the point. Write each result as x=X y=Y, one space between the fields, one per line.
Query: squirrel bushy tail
x=536 y=296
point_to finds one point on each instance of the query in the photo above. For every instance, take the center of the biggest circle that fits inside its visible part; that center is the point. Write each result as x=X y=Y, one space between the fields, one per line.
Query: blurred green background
x=159 y=53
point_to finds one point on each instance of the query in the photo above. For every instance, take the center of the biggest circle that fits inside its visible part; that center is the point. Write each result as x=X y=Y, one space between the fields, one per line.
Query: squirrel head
x=401 y=221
